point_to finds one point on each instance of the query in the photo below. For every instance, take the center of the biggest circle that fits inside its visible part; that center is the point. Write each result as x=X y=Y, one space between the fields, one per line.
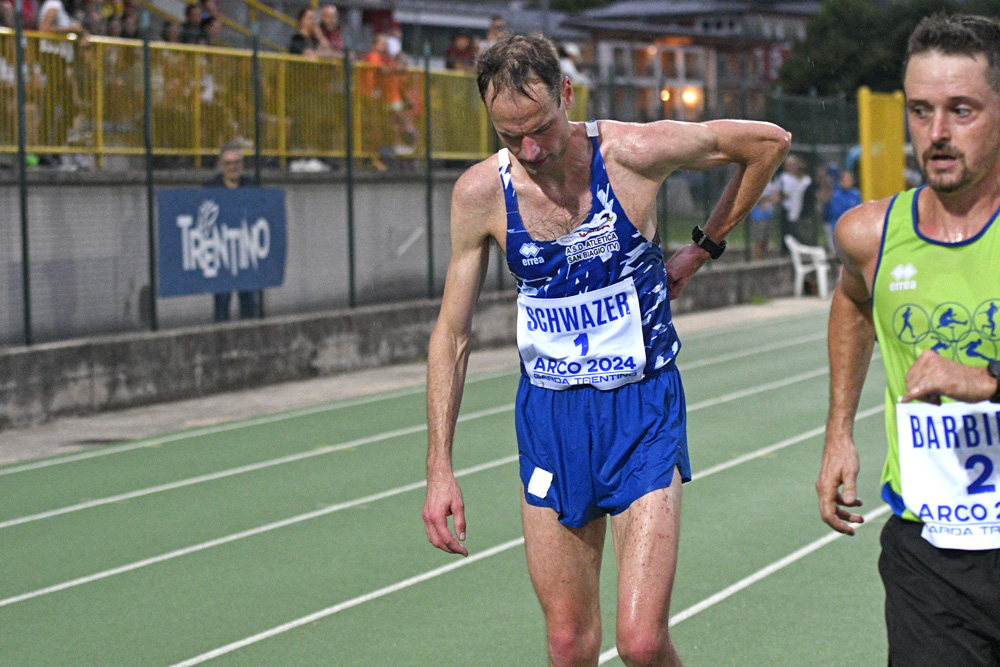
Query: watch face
x=993 y=368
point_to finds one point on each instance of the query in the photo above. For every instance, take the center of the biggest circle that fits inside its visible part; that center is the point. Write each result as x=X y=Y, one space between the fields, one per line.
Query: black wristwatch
x=713 y=249
x=993 y=368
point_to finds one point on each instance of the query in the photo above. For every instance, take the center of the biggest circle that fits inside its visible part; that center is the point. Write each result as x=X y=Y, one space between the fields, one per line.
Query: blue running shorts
x=586 y=452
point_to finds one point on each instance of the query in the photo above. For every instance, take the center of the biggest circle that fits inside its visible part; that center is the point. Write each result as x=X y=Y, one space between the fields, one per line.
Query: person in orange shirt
x=382 y=81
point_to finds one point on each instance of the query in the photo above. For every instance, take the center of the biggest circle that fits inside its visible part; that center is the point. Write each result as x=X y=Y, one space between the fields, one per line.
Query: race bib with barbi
x=949 y=461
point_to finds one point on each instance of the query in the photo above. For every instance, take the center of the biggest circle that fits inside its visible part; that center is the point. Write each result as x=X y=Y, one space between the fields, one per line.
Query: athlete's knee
x=640 y=645
x=574 y=643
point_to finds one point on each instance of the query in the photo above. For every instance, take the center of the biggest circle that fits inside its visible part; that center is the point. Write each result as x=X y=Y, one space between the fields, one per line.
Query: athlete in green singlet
x=922 y=273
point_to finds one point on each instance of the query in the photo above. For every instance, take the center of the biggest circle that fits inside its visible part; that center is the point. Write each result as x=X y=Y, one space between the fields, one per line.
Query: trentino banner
x=220 y=240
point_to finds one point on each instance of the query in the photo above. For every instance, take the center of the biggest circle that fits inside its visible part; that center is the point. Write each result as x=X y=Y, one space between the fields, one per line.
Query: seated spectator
x=461 y=54
x=307 y=40
x=333 y=33
x=191 y=28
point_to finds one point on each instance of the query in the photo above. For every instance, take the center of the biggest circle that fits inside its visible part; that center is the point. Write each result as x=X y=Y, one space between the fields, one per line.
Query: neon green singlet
x=931 y=295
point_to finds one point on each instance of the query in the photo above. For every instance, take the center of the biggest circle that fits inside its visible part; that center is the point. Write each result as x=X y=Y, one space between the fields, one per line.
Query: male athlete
x=600 y=415
x=940 y=561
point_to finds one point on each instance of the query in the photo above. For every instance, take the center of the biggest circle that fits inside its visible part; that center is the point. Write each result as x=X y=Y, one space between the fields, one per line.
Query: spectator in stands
x=211 y=28
x=208 y=8
x=170 y=32
x=113 y=26
x=497 y=30
x=93 y=22
x=191 y=28
x=130 y=26
x=383 y=83
x=55 y=18
x=329 y=26
x=569 y=56
x=6 y=14
x=307 y=40
x=761 y=220
x=793 y=182
x=461 y=54
x=845 y=197
x=231 y=176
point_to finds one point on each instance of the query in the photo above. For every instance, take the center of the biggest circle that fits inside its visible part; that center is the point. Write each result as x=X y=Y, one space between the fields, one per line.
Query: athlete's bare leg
x=565 y=566
x=646 y=537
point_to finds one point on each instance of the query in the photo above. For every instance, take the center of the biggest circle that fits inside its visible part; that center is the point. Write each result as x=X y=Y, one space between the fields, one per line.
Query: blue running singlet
x=594 y=302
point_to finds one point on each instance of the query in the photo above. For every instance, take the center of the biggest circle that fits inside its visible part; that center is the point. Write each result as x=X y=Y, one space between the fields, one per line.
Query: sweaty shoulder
x=858 y=238
x=477 y=199
x=657 y=148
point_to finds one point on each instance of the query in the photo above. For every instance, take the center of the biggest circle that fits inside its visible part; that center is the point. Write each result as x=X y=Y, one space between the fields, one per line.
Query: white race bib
x=949 y=460
x=593 y=338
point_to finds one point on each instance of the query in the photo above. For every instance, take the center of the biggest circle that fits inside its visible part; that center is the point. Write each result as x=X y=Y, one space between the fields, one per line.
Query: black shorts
x=942 y=606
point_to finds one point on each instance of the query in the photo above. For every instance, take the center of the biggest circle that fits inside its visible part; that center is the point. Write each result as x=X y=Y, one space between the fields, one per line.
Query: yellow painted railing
x=88 y=99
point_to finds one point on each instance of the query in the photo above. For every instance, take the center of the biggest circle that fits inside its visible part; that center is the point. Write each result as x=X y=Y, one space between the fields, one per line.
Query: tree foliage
x=853 y=43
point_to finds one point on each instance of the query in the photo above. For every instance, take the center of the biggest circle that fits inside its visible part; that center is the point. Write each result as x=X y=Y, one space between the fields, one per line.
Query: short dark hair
x=517 y=61
x=959 y=34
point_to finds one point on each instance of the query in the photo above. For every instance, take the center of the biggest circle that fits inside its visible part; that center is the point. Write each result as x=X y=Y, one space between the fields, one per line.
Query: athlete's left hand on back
x=682 y=265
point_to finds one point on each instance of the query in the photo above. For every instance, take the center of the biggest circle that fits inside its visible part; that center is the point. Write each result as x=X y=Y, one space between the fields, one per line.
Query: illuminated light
x=665 y=94
x=690 y=96
x=651 y=49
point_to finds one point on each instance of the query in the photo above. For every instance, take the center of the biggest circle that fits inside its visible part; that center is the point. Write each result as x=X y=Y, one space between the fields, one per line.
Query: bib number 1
x=594 y=338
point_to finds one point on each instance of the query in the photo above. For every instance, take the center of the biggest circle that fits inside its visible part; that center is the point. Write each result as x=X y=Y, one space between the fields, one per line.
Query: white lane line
x=329 y=611
x=759 y=389
x=97 y=502
x=772 y=347
x=702 y=334
x=233 y=426
x=819 y=430
x=226 y=539
x=410 y=430
x=753 y=578
x=327 y=407
x=379 y=496
x=605 y=657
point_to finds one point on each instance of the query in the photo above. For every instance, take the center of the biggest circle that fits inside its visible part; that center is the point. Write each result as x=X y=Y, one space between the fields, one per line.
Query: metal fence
x=78 y=260
x=87 y=99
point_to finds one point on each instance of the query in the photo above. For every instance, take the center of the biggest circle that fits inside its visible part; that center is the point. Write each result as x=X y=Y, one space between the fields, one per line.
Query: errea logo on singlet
x=530 y=252
x=902 y=278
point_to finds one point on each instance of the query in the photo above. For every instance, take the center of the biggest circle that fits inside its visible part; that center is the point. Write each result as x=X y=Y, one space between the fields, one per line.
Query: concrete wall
x=93 y=374
x=88 y=243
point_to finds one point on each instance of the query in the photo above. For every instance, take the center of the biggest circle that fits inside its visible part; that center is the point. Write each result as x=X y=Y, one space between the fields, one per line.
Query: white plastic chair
x=808 y=259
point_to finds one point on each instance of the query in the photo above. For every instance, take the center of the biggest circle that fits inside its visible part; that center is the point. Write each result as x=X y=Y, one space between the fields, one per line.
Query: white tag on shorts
x=593 y=338
x=949 y=461
x=540 y=482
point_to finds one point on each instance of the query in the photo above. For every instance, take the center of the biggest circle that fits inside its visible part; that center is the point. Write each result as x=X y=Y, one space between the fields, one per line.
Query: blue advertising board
x=220 y=240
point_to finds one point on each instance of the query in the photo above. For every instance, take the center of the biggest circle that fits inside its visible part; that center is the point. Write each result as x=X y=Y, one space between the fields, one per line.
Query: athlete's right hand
x=444 y=499
x=840 y=469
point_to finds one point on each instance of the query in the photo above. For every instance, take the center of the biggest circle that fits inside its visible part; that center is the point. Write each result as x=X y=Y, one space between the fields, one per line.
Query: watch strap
x=701 y=240
x=993 y=368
